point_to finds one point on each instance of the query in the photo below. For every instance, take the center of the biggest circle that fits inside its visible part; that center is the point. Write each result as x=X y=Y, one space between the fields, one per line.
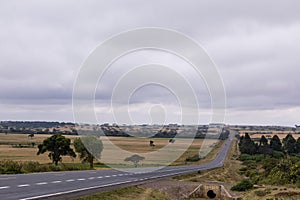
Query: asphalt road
x=59 y=185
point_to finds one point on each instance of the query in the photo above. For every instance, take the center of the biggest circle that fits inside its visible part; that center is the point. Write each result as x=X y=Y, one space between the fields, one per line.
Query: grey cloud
x=254 y=44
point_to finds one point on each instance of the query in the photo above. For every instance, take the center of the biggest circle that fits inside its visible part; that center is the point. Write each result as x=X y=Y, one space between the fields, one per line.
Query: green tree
x=264 y=147
x=289 y=144
x=268 y=164
x=58 y=145
x=275 y=143
x=247 y=145
x=263 y=141
x=298 y=145
x=135 y=159
x=281 y=173
x=89 y=148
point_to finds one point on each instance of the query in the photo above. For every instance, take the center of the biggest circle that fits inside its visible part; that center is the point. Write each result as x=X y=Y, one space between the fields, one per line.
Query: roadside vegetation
x=271 y=163
x=258 y=170
x=14 y=167
x=132 y=192
x=229 y=173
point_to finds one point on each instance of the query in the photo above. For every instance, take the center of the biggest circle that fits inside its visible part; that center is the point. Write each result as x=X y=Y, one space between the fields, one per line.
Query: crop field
x=18 y=147
x=9 y=149
x=270 y=135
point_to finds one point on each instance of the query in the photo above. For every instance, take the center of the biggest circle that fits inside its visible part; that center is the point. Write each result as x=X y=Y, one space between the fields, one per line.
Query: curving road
x=60 y=185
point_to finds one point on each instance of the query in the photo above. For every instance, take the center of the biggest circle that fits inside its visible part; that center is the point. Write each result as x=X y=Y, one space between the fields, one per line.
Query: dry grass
x=133 y=192
x=229 y=173
x=163 y=153
x=279 y=193
x=7 y=152
x=154 y=155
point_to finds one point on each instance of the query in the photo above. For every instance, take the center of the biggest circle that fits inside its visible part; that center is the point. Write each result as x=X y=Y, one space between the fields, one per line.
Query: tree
x=89 y=148
x=263 y=142
x=247 y=145
x=135 y=159
x=58 y=146
x=298 y=145
x=275 y=143
x=264 y=147
x=289 y=144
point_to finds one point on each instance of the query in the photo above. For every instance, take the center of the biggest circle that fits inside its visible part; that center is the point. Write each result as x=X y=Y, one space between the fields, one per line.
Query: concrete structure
x=211 y=191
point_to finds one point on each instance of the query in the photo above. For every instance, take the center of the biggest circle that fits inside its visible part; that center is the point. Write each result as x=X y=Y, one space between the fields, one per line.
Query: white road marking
x=24 y=185
x=107 y=176
x=100 y=177
x=42 y=183
x=111 y=184
x=81 y=179
x=114 y=175
x=56 y=182
x=70 y=180
x=4 y=187
x=91 y=178
x=77 y=190
x=120 y=174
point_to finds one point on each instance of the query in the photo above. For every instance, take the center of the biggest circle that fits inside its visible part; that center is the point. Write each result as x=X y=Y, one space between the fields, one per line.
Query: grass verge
x=132 y=192
x=229 y=173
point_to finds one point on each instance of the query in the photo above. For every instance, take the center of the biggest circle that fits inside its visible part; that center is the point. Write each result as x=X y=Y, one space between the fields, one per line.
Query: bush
x=194 y=158
x=29 y=167
x=257 y=157
x=243 y=170
x=244 y=157
x=277 y=154
x=244 y=185
x=250 y=164
x=251 y=173
x=262 y=193
x=10 y=167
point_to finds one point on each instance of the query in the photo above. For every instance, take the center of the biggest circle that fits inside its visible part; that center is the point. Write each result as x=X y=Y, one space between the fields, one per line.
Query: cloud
x=254 y=44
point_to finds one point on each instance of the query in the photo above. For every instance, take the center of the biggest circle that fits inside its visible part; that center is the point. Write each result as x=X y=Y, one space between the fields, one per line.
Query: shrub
x=244 y=185
x=10 y=167
x=277 y=154
x=262 y=193
x=243 y=170
x=194 y=158
x=29 y=167
x=250 y=164
x=244 y=157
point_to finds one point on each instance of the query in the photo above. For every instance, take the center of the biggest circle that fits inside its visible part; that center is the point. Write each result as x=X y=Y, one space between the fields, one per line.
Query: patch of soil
x=177 y=190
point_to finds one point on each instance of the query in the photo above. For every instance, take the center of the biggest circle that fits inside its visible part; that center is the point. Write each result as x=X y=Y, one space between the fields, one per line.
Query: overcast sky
x=255 y=46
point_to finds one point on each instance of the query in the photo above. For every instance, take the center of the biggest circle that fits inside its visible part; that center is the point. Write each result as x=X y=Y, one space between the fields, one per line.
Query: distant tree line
x=288 y=146
x=36 y=127
x=274 y=161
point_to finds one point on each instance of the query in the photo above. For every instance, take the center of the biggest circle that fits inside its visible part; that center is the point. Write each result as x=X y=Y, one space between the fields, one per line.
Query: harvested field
x=155 y=155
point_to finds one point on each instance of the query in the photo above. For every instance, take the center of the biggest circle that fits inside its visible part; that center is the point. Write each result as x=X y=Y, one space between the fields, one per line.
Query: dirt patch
x=177 y=190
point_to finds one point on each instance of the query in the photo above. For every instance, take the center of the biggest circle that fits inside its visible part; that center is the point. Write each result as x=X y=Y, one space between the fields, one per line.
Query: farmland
x=18 y=147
